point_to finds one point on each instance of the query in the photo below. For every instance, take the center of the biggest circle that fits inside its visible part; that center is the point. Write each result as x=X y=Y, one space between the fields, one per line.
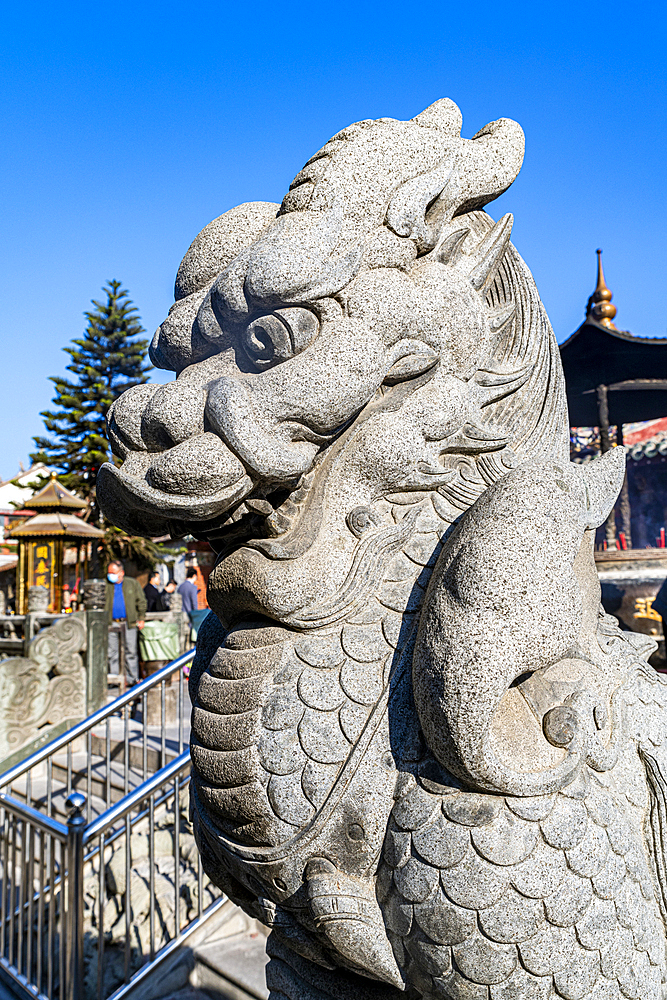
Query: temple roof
x=53 y=504
x=54 y=523
x=55 y=496
x=634 y=369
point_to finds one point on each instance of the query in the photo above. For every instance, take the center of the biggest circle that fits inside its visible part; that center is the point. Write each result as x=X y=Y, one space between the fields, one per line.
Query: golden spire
x=599 y=307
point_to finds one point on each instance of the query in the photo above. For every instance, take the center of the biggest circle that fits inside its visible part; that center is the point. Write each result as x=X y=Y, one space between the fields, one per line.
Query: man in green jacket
x=125 y=608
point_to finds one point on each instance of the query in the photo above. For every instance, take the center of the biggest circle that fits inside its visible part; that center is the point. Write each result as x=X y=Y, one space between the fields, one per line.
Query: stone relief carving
x=421 y=754
x=44 y=688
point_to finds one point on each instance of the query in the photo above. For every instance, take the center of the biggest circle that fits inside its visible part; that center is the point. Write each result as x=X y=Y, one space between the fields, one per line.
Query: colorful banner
x=43 y=567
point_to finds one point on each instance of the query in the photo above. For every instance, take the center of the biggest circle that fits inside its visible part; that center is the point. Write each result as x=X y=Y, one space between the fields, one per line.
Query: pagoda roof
x=595 y=355
x=634 y=369
x=55 y=523
x=55 y=496
x=617 y=334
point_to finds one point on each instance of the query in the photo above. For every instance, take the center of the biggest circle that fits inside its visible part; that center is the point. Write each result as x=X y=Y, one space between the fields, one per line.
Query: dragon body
x=422 y=755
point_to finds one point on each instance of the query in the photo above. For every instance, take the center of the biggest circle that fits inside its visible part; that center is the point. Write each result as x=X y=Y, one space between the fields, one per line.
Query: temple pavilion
x=617 y=394
x=616 y=387
x=54 y=545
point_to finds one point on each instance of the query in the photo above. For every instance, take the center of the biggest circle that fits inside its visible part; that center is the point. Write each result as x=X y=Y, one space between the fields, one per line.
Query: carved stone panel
x=44 y=688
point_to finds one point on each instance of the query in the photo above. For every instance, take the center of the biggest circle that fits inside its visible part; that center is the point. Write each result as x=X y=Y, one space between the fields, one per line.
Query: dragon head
x=374 y=336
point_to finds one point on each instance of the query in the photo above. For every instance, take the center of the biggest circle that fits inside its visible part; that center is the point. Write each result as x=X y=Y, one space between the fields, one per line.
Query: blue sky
x=127 y=127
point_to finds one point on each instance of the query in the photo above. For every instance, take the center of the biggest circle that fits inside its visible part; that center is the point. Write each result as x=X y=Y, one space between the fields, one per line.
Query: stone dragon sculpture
x=422 y=754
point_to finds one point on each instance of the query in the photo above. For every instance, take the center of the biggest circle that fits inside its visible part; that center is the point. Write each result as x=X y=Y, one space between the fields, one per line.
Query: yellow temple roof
x=54 y=496
x=54 y=523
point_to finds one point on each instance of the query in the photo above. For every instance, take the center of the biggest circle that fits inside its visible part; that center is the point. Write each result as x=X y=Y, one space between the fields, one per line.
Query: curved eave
x=62 y=533
x=55 y=525
x=595 y=355
x=55 y=497
x=618 y=334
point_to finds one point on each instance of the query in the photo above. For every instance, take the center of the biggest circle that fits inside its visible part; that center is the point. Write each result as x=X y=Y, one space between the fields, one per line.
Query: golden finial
x=599 y=307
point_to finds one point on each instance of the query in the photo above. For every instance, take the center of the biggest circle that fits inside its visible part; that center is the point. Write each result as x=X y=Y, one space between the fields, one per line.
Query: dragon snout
x=156 y=417
x=212 y=428
x=200 y=466
x=159 y=432
x=262 y=431
x=173 y=469
x=174 y=414
x=192 y=451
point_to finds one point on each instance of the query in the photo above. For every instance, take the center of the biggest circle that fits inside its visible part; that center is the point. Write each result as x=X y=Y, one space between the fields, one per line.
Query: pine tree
x=107 y=360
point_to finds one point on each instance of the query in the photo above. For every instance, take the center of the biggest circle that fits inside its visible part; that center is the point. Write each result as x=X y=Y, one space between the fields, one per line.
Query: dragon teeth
x=259 y=506
x=277 y=523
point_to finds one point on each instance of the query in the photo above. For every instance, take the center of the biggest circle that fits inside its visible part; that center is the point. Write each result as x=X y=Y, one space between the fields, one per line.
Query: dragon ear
x=472 y=173
x=497 y=155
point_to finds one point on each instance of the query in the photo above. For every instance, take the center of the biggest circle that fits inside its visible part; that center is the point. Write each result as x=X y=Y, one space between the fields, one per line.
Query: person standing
x=167 y=594
x=189 y=591
x=154 y=597
x=126 y=607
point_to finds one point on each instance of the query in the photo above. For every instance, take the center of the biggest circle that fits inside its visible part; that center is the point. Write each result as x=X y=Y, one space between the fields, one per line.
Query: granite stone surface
x=423 y=755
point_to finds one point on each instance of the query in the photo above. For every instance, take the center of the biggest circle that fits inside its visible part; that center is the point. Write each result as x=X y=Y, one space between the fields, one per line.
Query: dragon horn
x=451 y=248
x=489 y=253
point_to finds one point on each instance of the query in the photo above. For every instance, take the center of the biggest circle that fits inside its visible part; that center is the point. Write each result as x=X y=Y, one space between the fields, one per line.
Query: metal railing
x=111 y=751
x=90 y=904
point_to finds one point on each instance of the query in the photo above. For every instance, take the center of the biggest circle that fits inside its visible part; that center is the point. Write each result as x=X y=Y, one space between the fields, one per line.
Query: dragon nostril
x=174 y=413
x=124 y=419
x=155 y=435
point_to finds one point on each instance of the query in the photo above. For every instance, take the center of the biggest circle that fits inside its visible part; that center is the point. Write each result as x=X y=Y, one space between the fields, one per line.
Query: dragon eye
x=267 y=340
x=279 y=336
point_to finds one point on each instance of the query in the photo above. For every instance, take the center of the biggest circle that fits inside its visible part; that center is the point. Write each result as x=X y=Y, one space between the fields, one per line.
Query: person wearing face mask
x=125 y=607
